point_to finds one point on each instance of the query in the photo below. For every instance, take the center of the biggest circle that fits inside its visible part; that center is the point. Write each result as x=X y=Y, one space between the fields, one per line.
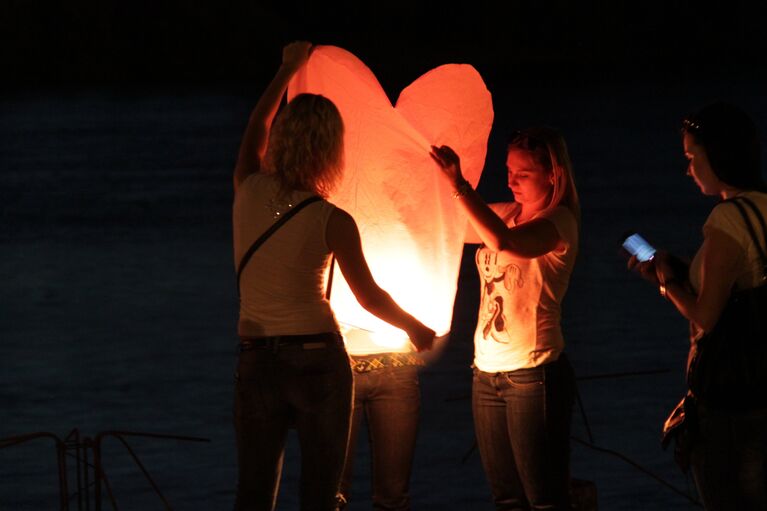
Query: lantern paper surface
x=411 y=227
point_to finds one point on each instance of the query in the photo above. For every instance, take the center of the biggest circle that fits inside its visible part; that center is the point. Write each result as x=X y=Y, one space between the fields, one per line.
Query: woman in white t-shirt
x=523 y=388
x=293 y=369
x=729 y=442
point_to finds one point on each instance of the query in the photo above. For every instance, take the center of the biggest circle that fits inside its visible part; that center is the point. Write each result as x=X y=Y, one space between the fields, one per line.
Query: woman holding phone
x=728 y=452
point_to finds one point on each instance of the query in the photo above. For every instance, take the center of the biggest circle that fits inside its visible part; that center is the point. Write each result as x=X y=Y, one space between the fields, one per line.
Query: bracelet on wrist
x=663 y=287
x=462 y=187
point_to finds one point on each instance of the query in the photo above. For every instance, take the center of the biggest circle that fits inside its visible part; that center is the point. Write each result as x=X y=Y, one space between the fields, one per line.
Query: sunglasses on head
x=690 y=125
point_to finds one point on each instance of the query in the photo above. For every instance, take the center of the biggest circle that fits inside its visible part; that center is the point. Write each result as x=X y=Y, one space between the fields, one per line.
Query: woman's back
x=282 y=287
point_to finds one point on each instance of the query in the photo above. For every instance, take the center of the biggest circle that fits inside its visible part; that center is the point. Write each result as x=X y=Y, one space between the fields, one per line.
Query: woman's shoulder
x=759 y=199
x=257 y=182
x=726 y=211
x=562 y=217
x=726 y=217
x=505 y=210
x=559 y=211
x=565 y=223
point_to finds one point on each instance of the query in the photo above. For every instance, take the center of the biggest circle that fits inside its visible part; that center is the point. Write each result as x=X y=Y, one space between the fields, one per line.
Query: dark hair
x=729 y=137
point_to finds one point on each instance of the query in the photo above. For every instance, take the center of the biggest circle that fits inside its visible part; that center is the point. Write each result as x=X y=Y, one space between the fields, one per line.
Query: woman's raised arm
x=256 y=137
x=529 y=240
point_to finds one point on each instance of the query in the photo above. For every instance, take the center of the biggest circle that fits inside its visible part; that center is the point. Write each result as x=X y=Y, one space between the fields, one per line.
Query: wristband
x=461 y=189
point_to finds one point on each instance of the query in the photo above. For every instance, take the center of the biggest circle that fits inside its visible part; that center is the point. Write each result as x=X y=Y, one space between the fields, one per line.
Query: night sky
x=198 y=43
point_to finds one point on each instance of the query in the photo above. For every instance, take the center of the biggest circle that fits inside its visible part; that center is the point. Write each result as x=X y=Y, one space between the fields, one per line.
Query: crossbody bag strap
x=271 y=230
x=763 y=225
x=750 y=225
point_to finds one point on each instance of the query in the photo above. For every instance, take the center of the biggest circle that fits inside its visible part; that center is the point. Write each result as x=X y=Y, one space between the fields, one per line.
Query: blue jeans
x=389 y=400
x=522 y=422
x=275 y=389
x=729 y=460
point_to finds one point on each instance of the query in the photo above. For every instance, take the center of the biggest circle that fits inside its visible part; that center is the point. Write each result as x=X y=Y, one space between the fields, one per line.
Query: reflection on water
x=117 y=308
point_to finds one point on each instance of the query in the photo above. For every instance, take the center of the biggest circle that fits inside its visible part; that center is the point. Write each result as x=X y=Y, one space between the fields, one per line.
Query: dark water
x=117 y=308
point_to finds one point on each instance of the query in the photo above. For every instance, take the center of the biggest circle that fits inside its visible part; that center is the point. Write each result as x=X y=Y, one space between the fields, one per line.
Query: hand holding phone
x=637 y=246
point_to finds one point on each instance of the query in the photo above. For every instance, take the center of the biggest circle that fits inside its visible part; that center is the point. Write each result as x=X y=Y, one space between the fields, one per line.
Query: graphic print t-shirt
x=518 y=325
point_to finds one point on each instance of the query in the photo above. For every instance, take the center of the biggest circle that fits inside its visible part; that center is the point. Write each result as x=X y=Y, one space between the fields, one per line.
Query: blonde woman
x=292 y=367
x=523 y=387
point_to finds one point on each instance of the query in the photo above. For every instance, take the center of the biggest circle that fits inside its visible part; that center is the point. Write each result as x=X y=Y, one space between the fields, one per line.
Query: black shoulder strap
x=758 y=214
x=750 y=226
x=330 y=277
x=271 y=230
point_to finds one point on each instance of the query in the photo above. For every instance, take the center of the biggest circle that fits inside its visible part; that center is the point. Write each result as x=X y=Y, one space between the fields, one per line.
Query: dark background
x=127 y=44
x=119 y=126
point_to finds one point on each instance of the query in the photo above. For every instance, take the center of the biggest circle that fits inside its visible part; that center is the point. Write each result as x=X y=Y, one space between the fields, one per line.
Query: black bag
x=727 y=367
x=681 y=425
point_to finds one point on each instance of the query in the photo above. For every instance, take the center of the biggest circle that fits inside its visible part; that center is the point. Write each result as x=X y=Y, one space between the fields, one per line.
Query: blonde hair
x=306 y=145
x=549 y=149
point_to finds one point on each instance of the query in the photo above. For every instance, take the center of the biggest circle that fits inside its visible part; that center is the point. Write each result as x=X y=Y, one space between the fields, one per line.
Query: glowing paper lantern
x=412 y=230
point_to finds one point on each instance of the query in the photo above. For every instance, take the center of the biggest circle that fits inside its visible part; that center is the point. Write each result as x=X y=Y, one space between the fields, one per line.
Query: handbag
x=727 y=367
x=681 y=425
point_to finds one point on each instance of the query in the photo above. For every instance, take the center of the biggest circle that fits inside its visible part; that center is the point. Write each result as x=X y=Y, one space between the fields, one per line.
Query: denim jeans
x=389 y=400
x=276 y=389
x=729 y=460
x=522 y=421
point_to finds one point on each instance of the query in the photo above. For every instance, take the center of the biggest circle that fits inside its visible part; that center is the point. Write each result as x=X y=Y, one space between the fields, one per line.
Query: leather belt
x=308 y=341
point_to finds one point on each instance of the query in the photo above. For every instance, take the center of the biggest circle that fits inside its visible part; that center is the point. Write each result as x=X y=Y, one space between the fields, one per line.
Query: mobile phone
x=637 y=246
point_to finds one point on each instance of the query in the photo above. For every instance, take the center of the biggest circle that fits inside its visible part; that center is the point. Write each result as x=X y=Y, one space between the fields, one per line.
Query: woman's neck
x=730 y=192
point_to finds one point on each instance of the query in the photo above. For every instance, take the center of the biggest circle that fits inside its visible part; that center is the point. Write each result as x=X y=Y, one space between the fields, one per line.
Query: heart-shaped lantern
x=411 y=227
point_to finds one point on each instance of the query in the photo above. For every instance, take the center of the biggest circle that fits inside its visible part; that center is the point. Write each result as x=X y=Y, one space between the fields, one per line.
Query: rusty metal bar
x=100 y=473
x=81 y=448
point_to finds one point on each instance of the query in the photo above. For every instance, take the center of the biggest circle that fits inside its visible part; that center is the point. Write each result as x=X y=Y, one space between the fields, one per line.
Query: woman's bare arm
x=344 y=240
x=256 y=137
x=529 y=240
x=721 y=258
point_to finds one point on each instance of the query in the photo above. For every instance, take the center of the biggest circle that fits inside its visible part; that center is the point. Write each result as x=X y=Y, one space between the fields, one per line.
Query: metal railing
x=89 y=466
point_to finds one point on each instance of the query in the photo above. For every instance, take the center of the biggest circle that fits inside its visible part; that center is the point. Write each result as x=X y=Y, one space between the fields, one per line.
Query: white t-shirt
x=518 y=325
x=283 y=286
x=727 y=219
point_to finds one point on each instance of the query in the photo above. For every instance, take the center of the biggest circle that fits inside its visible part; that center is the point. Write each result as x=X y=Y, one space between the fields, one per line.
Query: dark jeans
x=522 y=421
x=310 y=389
x=729 y=460
x=389 y=399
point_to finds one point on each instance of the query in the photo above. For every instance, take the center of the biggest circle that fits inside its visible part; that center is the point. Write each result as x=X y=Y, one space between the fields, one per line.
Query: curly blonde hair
x=306 y=145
